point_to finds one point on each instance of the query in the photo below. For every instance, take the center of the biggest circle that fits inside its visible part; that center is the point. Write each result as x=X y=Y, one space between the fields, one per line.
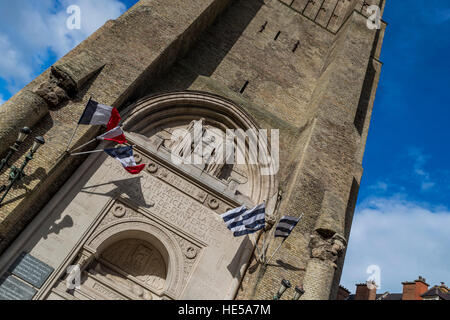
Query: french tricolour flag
x=126 y=158
x=100 y=114
x=115 y=134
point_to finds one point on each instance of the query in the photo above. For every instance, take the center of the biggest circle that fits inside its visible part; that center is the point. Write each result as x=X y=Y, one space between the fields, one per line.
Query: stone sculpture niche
x=127 y=269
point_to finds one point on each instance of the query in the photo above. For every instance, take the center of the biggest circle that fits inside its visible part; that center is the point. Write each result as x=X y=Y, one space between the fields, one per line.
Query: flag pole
x=78 y=124
x=93 y=151
x=282 y=242
x=277 y=205
x=80 y=153
x=256 y=246
x=263 y=254
x=71 y=138
x=270 y=259
x=89 y=142
x=93 y=140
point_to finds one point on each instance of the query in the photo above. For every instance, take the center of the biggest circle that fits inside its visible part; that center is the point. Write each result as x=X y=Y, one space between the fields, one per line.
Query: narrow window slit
x=263 y=27
x=296 y=46
x=278 y=34
x=244 y=87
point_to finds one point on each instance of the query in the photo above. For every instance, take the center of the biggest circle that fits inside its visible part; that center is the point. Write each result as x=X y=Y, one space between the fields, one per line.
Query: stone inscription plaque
x=14 y=289
x=31 y=270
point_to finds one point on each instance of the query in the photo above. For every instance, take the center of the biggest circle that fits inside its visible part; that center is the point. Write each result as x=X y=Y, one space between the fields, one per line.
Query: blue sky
x=402 y=219
x=402 y=222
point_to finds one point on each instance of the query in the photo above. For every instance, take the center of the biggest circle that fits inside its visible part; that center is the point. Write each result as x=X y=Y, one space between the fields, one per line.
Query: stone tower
x=308 y=68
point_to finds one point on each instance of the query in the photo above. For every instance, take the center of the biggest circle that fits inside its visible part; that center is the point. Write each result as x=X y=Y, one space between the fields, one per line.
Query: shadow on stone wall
x=207 y=53
x=131 y=187
x=366 y=93
x=351 y=205
x=236 y=264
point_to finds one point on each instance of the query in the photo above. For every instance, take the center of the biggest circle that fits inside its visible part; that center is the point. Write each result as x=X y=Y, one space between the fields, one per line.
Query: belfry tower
x=308 y=68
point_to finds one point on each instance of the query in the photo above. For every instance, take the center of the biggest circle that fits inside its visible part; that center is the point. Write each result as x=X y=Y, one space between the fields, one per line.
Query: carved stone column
x=326 y=246
x=322 y=265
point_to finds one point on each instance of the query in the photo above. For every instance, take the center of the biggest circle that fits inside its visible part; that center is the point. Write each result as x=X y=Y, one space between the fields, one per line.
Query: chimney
x=343 y=293
x=443 y=287
x=414 y=290
x=366 y=291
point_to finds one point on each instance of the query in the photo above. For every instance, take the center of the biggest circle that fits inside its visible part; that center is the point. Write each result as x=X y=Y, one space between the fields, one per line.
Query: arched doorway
x=132 y=268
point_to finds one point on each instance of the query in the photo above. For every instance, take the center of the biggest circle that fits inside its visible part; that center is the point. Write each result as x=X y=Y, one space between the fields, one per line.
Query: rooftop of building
x=438 y=292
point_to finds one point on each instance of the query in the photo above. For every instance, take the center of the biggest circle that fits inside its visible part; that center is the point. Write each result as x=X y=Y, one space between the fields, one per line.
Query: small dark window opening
x=263 y=27
x=296 y=46
x=278 y=34
x=244 y=87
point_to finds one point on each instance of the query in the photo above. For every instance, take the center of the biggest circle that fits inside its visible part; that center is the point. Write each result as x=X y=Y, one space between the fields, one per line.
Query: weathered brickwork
x=307 y=68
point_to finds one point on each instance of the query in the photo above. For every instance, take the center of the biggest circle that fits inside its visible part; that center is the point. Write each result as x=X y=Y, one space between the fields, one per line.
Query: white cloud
x=379 y=186
x=11 y=67
x=420 y=160
x=32 y=31
x=403 y=238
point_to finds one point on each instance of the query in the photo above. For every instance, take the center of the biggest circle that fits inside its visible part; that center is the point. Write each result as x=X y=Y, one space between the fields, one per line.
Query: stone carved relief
x=184 y=146
x=105 y=283
x=139 y=259
x=135 y=259
x=137 y=158
x=84 y=258
x=181 y=184
x=152 y=167
x=171 y=178
x=108 y=277
x=213 y=203
x=68 y=77
x=211 y=151
x=327 y=249
x=191 y=252
x=173 y=205
x=52 y=91
x=154 y=119
x=119 y=211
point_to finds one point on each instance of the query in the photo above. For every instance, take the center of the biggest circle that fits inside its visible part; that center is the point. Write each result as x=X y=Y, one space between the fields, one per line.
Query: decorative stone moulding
x=137 y=158
x=213 y=203
x=155 y=117
x=119 y=210
x=152 y=167
x=190 y=252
